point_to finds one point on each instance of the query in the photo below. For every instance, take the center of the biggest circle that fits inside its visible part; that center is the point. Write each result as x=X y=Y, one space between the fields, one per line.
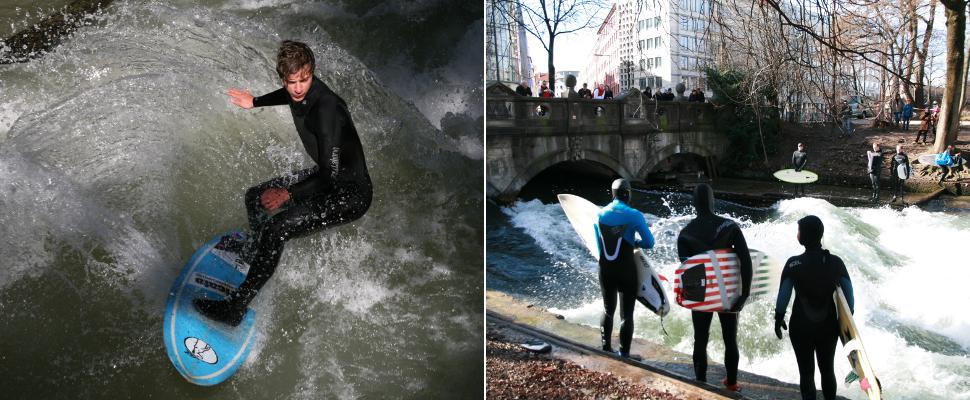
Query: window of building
x=643 y=64
x=683 y=22
x=643 y=83
x=657 y=62
x=656 y=42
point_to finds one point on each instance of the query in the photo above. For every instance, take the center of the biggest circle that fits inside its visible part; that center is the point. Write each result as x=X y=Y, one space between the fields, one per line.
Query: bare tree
x=948 y=126
x=548 y=19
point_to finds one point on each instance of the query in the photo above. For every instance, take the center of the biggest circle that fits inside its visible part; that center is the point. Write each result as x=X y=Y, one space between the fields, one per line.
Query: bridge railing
x=625 y=115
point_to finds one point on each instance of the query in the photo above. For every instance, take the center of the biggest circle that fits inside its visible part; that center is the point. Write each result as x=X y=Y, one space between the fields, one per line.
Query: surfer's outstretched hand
x=274 y=198
x=779 y=325
x=241 y=97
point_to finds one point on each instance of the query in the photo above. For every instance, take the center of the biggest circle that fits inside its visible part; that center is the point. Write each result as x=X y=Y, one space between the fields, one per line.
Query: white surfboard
x=582 y=215
x=852 y=342
x=791 y=176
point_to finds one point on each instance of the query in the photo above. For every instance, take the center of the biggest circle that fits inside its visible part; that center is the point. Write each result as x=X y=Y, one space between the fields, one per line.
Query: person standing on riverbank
x=926 y=121
x=798 y=160
x=899 y=170
x=814 y=275
x=846 y=114
x=907 y=114
x=616 y=230
x=874 y=169
x=705 y=232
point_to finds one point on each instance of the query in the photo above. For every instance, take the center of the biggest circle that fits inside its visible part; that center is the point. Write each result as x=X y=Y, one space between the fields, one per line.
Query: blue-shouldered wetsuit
x=615 y=239
x=710 y=232
x=814 y=325
x=336 y=191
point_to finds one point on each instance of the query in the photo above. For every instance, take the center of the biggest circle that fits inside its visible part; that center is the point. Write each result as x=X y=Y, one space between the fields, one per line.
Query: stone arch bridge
x=526 y=135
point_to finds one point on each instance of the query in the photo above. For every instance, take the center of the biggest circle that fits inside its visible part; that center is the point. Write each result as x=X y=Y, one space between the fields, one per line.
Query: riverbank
x=661 y=370
x=841 y=161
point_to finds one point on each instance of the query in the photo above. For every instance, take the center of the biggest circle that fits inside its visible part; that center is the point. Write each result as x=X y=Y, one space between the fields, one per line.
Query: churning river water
x=120 y=154
x=908 y=271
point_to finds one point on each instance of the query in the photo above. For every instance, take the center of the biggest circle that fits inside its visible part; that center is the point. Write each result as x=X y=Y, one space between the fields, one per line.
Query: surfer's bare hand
x=241 y=97
x=274 y=198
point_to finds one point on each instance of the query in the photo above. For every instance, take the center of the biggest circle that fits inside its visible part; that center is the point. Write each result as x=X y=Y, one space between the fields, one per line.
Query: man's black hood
x=810 y=231
x=704 y=199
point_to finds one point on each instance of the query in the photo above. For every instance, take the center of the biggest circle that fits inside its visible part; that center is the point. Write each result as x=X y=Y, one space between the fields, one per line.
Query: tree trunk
x=921 y=56
x=956 y=75
x=911 y=54
x=552 y=68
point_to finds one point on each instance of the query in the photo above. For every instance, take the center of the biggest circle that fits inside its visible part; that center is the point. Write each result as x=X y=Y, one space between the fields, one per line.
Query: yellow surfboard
x=857 y=352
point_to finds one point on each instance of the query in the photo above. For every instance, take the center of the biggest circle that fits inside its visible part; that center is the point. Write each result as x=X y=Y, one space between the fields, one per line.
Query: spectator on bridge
x=599 y=92
x=608 y=95
x=523 y=90
x=546 y=93
x=585 y=92
x=648 y=94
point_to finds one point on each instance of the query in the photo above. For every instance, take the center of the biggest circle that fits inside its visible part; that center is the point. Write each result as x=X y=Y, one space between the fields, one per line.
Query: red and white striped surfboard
x=709 y=281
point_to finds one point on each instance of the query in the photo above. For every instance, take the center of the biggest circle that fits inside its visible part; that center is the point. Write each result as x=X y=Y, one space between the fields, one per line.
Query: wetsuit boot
x=229 y=311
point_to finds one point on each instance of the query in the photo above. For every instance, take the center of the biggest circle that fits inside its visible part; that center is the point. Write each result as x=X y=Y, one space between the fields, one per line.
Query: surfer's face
x=298 y=84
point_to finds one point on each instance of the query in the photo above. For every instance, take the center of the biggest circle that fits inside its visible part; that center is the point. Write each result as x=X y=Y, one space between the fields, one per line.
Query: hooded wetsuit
x=710 y=232
x=336 y=191
x=615 y=239
x=798 y=160
x=874 y=168
x=814 y=326
x=898 y=160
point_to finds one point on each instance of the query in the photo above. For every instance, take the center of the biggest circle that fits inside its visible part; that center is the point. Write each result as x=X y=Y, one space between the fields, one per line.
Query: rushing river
x=907 y=267
x=120 y=154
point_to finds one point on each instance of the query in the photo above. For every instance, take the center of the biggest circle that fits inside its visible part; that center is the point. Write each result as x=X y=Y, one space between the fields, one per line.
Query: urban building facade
x=653 y=44
x=506 y=52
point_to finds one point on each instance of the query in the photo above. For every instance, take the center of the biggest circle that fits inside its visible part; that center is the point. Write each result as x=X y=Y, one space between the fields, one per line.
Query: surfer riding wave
x=336 y=191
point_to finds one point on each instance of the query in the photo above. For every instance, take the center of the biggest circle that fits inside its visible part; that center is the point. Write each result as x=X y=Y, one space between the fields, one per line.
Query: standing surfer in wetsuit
x=711 y=232
x=900 y=170
x=617 y=224
x=335 y=191
x=798 y=160
x=874 y=168
x=813 y=275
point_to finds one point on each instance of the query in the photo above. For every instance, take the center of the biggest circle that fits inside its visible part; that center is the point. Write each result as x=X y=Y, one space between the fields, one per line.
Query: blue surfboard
x=204 y=351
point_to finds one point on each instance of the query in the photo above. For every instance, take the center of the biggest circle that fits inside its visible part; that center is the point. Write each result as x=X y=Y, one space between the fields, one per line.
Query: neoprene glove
x=739 y=304
x=779 y=325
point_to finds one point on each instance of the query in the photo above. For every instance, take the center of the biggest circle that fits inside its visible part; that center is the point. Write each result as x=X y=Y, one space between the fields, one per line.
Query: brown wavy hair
x=293 y=57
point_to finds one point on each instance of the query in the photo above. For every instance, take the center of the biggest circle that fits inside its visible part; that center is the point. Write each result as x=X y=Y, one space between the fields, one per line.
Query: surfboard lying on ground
x=930 y=159
x=582 y=215
x=206 y=352
x=791 y=176
x=858 y=358
x=710 y=281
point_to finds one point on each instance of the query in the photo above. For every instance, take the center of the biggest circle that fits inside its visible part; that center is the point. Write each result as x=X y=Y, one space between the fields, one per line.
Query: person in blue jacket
x=907 y=114
x=946 y=160
x=616 y=230
x=814 y=275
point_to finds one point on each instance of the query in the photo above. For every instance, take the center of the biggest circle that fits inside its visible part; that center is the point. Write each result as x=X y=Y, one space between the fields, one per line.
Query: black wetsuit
x=709 y=232
x=897 y=160
x=798 y=161
x=814 y=326
x=336 y=191
x=874 y=168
